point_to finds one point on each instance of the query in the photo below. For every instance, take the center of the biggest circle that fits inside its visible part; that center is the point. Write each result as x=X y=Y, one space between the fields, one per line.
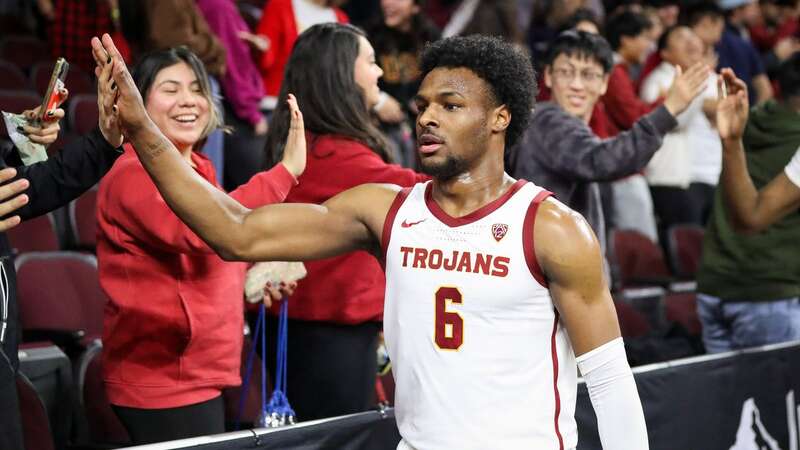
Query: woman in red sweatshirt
x=336 y=311
x=173 y=327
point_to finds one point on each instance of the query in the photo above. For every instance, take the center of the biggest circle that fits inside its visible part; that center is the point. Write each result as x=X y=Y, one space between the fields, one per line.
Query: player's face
x=576 y=84
x=178 y=106
x=453 y=122
x=367 y=72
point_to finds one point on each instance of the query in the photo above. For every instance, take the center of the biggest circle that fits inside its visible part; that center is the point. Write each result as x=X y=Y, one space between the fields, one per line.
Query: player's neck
x=472 y=189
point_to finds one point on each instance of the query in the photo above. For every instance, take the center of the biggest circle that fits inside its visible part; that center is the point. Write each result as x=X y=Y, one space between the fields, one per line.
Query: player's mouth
x=429 y=143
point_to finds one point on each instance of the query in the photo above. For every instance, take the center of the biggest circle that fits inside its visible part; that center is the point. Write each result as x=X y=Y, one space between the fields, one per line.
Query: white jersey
x=479 y=357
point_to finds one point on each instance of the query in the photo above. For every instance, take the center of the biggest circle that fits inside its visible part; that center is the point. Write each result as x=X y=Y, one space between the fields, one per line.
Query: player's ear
x=501 y=118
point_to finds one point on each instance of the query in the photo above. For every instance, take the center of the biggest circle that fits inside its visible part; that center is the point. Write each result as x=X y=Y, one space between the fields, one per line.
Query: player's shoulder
x=560 y=230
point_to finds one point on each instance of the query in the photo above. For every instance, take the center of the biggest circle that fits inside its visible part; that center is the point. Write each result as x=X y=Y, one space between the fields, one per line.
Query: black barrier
x=735 y=401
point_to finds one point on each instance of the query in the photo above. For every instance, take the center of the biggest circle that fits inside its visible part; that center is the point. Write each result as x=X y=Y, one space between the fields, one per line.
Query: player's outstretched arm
x=273 y=232
x=750 y=210
x=572 y=262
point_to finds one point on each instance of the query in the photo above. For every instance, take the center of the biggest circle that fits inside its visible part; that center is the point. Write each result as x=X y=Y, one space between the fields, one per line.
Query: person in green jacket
x=749 y=277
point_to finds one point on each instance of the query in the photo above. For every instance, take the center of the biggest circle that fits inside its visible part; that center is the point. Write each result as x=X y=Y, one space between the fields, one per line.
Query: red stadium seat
x=35 y=423
x=83 y=220
x=638 y=260
x=59 y=292
x=35 y=235
x=24 y=51
x=82 y=113
x=16 y=102
x=12 y=78
x=104 y=426
x=77 y=82
x=682 y=308
x=632 y=323
x=685 y=246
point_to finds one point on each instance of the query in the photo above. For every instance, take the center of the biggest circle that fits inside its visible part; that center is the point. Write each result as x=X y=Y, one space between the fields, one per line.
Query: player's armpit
x=352 y=220
x=570 y=257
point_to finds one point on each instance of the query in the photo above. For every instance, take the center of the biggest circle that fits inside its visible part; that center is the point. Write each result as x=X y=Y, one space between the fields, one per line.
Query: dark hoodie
x=763 y=266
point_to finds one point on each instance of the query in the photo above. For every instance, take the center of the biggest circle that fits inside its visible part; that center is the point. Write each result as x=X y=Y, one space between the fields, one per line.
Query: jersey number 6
x=448 y=338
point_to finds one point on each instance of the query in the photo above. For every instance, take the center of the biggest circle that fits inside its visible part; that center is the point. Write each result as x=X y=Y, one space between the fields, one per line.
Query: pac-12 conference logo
x=499 y=230
x=753 y=435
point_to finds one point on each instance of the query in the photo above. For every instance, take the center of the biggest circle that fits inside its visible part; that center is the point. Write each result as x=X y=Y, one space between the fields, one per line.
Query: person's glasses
x=568 y=75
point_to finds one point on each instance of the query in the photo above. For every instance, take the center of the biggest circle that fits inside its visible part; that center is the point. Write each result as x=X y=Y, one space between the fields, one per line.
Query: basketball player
x=493 y=287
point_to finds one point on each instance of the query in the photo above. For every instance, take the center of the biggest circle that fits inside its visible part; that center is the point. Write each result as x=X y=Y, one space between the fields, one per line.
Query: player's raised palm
x=732 y=109
x=294 y=153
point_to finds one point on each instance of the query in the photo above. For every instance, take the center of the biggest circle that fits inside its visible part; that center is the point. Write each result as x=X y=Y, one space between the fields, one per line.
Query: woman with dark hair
x=173 y=327
x=335 y=314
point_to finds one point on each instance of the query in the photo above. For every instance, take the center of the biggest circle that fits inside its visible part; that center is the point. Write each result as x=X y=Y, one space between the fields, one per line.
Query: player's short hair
x=507 y=70
x=580 y=44
x=626 y=24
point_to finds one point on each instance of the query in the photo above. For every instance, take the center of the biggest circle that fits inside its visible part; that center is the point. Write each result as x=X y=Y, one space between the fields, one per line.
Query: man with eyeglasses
x=561 y=153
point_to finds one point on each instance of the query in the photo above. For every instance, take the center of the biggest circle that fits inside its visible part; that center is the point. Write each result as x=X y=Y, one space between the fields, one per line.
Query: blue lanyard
x=277 y=412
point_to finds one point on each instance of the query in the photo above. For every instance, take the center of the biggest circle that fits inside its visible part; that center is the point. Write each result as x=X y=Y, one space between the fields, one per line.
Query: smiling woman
x=173 y=327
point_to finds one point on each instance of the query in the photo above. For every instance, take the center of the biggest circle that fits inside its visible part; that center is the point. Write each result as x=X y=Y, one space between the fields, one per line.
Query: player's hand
x=278 y=293
x=106 y=96
x=733 y=106
x=390 y=111
x=294 y=153
x=42 y=132
x=122 y=98
x=685 y=87
x=11 y=198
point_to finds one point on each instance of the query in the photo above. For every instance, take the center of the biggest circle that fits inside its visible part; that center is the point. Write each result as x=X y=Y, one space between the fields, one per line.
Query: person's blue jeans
x=734 y=325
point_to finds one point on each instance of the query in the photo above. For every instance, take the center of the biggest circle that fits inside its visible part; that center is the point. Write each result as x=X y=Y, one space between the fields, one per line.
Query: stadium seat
x=24 y=51
x=35 y=235
x=82 y=114
x=632 y=323
x=104 y=428
x=77 y=82
x=637 y=260
x=685 y=246
x=682 y=308
x=12 y=78
x=60 y=298
x=35 y=423
x=83 y=221
x=16 y=102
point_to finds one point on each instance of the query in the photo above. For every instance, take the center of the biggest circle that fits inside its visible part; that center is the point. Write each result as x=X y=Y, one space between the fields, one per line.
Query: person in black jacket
x=30 y=191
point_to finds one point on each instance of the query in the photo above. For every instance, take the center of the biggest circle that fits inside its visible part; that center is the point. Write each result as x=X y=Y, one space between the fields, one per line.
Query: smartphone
x=52 y=97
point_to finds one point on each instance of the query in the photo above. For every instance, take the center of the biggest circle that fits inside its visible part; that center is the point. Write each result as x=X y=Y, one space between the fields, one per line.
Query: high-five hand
x=122 y=104
x=733 y=106
x=106 y=94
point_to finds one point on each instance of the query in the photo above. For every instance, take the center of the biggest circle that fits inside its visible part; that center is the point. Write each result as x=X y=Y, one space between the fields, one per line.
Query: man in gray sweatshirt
x=560 y=152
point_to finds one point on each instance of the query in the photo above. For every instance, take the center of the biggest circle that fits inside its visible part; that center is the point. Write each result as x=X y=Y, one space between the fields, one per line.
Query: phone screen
x=53 y=96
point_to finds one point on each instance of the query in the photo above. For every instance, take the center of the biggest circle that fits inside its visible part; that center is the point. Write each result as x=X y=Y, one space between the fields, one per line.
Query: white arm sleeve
x=612 y=389
x=792 y=169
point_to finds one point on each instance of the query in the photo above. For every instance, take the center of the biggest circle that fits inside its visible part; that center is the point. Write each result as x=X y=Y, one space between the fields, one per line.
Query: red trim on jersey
x=527 y=237
x=478 y=214
x=389 y=221
x=554 y=354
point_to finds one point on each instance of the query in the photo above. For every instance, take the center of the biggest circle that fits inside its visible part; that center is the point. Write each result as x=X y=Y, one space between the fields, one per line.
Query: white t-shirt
x=308 y=14
x=792 y=170
x=690 y=152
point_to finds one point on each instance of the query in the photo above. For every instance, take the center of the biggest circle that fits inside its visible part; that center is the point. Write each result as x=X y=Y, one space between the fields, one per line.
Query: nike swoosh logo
x=407 y=224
